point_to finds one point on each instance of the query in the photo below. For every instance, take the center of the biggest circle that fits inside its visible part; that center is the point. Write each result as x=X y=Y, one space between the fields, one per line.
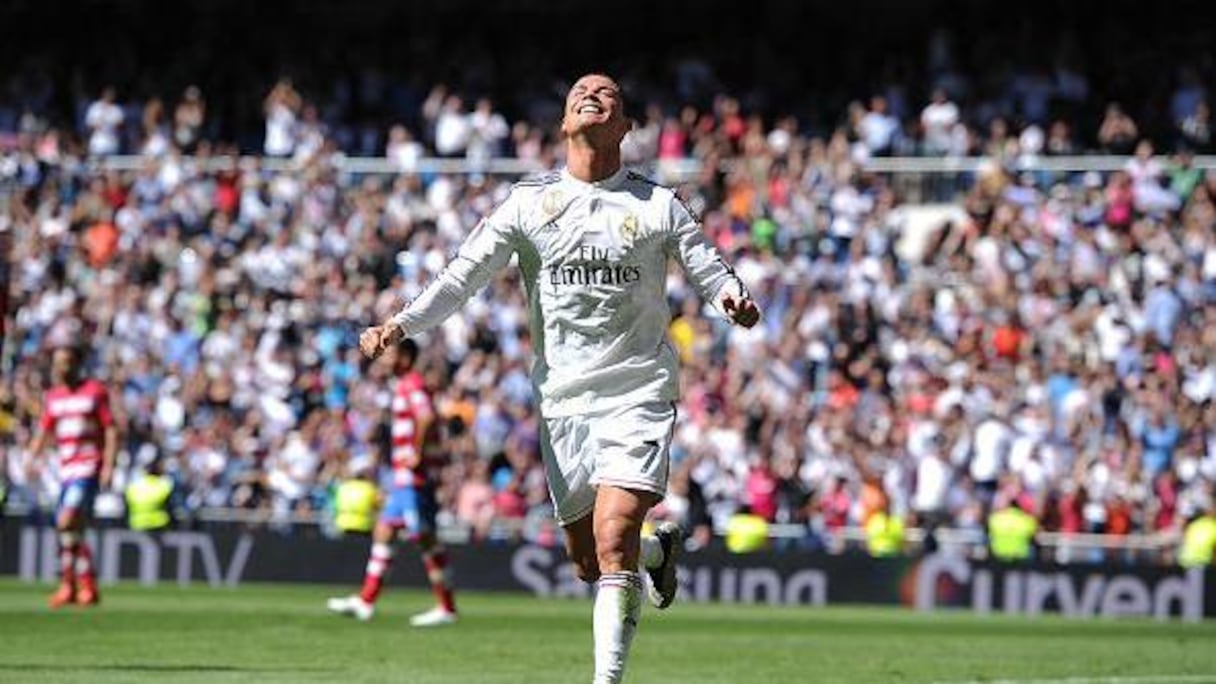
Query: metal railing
x=373 y=166
x=670 y=168
x=916 y=180
x=1062 y=164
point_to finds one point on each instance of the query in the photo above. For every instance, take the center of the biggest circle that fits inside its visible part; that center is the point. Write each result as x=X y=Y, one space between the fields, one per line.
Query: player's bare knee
x=68 y=521
x=612 y=541
x=384 y=533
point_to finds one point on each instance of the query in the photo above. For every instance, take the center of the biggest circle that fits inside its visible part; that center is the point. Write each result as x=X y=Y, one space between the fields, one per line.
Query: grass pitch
x=263 y=633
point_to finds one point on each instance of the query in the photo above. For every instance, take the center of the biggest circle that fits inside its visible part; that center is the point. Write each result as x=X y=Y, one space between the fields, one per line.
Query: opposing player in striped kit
x=593 y=244
x=76 y=415
x=410 y=507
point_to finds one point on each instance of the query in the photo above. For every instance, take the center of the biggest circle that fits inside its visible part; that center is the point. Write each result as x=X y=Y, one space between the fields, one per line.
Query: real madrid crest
x=552 y=202
x=629 y=229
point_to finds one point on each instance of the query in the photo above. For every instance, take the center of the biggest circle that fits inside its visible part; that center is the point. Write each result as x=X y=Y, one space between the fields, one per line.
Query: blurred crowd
x=1049 y=340
x=1045 y=339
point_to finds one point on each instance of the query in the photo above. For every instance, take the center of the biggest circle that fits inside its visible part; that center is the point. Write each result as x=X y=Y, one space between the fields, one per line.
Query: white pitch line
x=1137 y=679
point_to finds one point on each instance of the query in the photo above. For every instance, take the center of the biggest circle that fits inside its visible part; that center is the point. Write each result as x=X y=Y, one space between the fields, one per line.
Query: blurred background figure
x=884 y=533
x=1199 y=539
x=282 y=108
x=357 y=499
x=1011 y=532
x=149 y=499
x=746 y=532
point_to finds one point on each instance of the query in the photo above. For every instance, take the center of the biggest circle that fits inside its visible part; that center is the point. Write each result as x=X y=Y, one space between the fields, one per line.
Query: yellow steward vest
x=356 y=506
x=746 y=533
x=1198 y=542
x=148 y=502
x=1011 y=534
x=884 y=535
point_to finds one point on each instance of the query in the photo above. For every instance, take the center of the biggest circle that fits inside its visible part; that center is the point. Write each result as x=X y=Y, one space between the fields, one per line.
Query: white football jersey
x=594 y=262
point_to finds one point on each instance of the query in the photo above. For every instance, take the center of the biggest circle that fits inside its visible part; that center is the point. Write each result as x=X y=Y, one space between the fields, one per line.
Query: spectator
x=104 y=119
x=402 y=150
x=933 y=483
x=188 y=118
x=155 y=140
x=762 y=489
x=1163 y=309
x=1160 y=435
x=878 y=128
x=1189 y=94
x=310 y=134
x=834 y=505
x=475 y=505
x=1059 y=139
x=281 y=107
x=1184 y=177
x=290 y=474
x=938 y=120
x=1118 y=132
x=488 y=133
x=453 y=128
x=1195 y=128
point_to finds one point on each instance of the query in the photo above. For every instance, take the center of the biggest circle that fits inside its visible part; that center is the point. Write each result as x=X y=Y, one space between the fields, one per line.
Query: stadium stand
x=942 y=341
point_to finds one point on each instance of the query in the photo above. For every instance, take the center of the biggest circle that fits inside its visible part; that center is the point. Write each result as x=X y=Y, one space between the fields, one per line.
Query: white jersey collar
x=609 y=183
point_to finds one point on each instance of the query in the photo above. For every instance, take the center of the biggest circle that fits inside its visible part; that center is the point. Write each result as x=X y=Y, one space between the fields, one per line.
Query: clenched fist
x=376 y=339
x=742 y=311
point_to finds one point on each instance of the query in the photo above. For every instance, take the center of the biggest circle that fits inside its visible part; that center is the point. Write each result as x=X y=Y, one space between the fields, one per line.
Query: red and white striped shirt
x=412 y=414
x=77 y=417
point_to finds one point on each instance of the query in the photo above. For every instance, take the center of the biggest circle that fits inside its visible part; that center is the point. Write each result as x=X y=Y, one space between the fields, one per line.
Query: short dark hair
x=408 y=347
x=75 y=350
x=632 y=110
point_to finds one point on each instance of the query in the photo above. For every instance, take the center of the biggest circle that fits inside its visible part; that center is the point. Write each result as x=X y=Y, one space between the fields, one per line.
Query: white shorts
x=626 y=447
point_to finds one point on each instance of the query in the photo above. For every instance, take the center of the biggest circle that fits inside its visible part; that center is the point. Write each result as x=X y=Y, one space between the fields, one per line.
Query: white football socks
x=652 y=552
x=617 y=606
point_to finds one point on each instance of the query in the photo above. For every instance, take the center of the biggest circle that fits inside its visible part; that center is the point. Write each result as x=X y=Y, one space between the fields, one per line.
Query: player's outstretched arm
x=707 y=271
x=485 y=251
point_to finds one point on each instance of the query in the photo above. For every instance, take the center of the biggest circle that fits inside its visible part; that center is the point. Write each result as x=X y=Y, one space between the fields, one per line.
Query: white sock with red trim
x=377 y=564
x=618 y=604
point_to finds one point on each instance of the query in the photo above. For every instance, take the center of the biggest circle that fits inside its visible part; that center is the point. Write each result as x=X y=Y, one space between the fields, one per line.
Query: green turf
x=262 y=633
